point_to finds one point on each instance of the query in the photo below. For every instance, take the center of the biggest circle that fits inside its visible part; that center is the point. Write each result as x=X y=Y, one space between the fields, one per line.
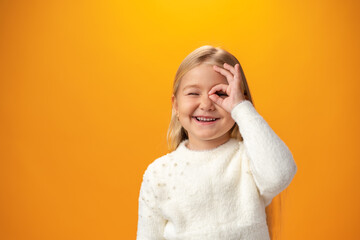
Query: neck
x=198 y=144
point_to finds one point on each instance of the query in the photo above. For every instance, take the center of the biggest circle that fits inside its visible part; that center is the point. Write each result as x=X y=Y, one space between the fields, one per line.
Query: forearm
x=270 y=160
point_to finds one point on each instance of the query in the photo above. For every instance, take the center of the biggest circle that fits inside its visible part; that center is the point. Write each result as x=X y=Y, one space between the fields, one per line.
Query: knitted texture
x=219 y=193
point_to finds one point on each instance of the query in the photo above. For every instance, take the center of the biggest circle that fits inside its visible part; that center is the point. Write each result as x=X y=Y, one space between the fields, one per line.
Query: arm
x=150 y=222
x=270 y=160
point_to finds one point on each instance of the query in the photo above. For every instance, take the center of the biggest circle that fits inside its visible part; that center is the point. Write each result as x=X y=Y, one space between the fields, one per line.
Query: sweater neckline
x=230 y=144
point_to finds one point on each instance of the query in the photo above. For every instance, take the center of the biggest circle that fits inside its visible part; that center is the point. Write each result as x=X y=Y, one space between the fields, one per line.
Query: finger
x=224 y=72
x=215 y=98
x=234 y=70
x=230 y=68
x=219 y=87
x=238 y=73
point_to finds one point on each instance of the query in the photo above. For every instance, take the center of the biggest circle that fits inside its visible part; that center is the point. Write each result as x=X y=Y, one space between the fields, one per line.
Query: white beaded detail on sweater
x=220 y=193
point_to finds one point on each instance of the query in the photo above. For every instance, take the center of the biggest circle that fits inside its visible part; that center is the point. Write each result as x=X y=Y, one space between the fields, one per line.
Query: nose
x=206 y=103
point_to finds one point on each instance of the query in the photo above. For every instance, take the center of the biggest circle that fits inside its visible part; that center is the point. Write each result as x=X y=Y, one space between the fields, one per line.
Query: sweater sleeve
x=150 y=222
x=270 y=160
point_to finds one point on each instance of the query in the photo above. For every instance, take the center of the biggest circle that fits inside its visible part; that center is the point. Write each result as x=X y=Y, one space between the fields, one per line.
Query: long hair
x=176 y=133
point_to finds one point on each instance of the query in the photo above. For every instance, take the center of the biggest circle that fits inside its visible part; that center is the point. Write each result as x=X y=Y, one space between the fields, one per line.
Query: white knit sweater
x=216 y=194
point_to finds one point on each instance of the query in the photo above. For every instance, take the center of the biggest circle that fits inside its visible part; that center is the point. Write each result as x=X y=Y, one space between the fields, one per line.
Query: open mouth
x=205 y=120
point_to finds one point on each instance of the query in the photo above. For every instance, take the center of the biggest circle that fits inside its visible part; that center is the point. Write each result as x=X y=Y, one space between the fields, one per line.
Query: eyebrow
x=192 y=85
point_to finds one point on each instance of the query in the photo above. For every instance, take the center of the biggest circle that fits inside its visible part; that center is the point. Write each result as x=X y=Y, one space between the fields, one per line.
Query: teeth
x=205 y=119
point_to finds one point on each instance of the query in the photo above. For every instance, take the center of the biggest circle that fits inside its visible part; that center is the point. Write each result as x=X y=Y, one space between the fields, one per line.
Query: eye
x=193 y=94
x=221 y=93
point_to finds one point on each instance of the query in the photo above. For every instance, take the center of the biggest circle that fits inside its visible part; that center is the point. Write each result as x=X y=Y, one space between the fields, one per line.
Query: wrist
x=237 y=103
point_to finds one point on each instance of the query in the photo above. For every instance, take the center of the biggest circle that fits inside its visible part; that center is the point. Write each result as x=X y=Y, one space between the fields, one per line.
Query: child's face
x=194 y=101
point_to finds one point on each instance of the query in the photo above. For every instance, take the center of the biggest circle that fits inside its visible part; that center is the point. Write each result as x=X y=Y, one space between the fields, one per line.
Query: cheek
x=187 y=106
x=224 y=113
x=229 y=120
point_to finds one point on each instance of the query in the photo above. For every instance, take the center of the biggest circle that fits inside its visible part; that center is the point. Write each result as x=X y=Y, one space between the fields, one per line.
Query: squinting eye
x=221 y=93
x=192 y=94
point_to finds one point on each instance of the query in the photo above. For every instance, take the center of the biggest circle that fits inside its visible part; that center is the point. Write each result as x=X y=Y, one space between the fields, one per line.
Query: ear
x=174 y=103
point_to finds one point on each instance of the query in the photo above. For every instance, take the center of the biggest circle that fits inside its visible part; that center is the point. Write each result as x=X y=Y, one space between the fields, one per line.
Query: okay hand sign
x=233 y=89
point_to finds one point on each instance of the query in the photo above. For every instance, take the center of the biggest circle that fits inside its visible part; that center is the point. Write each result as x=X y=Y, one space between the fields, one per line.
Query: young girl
x=225 y=163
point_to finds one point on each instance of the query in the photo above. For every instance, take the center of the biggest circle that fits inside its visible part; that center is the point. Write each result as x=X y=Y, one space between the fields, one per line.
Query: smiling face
x=192 y=100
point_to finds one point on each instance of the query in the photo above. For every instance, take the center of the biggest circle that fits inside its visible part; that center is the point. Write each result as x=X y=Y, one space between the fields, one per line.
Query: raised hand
x=233 y=89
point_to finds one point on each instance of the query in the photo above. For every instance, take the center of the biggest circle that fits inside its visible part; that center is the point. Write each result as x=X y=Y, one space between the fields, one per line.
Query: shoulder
x=155 y=167
x=155 y=174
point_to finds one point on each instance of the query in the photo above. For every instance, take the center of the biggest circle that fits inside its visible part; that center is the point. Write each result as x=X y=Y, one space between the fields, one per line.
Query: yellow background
x=85 y=91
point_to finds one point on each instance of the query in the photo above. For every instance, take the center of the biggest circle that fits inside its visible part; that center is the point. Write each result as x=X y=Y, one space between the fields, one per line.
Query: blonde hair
x=176 y=133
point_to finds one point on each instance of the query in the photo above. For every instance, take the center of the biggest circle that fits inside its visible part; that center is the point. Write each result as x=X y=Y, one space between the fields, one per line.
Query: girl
x=225 y=163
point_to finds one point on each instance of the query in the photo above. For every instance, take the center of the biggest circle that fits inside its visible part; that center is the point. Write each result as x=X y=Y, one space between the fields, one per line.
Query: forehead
x=203 y=76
